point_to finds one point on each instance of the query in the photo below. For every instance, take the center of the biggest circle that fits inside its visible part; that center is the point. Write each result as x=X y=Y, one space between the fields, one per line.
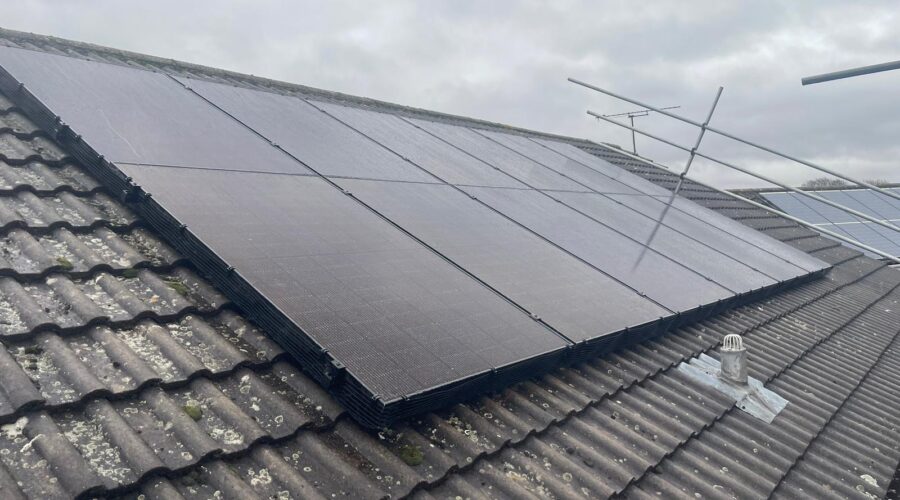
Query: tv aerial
x=636 y=114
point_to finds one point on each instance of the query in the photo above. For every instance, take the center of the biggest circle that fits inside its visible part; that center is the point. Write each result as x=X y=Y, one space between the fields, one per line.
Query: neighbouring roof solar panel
x=800 y=207
x=867 y=201
x=406 y=263
x=865 y=233
x=877 y=203
x=847 y=199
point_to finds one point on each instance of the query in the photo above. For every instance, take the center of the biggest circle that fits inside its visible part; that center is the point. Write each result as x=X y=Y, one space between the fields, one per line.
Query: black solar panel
x=522 y=266
x=391 y=310
x=665 y=281
x=867 y=201
x=421 y=148
x=718 y=267
x=495 y=155
x=406 y=263
x=135 y=116
x=323 y=143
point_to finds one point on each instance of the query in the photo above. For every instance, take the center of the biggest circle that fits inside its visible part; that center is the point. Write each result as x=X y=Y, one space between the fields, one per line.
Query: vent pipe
x=733 y=357
x=728 y=376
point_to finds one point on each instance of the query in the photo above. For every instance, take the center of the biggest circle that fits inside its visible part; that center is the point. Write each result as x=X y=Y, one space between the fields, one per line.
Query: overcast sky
x=508 y=62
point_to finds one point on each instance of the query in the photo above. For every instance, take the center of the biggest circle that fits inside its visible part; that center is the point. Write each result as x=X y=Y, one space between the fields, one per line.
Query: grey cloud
x=507 y=61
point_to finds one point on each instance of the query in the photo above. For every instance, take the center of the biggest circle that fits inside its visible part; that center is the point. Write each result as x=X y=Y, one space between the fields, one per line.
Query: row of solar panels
x=867 y=201
x=419 y=256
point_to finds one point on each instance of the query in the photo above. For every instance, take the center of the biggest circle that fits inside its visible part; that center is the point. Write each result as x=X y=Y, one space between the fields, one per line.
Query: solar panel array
x=867 y=201
x=425 y=260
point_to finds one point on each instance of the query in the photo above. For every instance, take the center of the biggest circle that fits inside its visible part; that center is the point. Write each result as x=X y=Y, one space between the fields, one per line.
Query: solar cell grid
x=756 y=238
x=737 y=249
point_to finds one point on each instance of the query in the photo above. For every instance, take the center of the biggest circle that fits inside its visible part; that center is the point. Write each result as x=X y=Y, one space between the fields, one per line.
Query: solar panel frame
x=361 y=402
x=531 y=170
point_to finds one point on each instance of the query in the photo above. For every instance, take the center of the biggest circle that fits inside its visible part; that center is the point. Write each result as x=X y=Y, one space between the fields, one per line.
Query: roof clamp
x=729 y=376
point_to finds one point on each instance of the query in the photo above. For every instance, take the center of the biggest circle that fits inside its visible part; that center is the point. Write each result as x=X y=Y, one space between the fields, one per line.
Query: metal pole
x=633 y=139
x=744 y=141
x=687 y=167
x=818 y=198
x=847 y=73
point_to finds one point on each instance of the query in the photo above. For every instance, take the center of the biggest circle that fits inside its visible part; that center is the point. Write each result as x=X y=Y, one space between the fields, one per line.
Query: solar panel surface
x=867 y=201
x=388 y=308
x=137 y=116
x=417 y=257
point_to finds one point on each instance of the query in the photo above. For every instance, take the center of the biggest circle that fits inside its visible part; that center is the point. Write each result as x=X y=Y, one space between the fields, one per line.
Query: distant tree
x=824 y=183
x=879 y=182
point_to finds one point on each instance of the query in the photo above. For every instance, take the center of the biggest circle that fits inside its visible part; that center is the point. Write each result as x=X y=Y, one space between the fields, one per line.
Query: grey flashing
x=751 y=397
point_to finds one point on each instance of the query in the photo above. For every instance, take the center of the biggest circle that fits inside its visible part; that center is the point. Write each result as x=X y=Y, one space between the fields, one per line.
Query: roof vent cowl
x=733 y=358
x=728 y=376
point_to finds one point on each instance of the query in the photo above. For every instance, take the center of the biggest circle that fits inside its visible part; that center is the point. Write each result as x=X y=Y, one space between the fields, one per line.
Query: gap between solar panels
x=695 y=152
x=406 y=263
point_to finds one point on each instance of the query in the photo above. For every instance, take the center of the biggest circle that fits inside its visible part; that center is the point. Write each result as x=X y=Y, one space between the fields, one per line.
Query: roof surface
x=124 y=372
